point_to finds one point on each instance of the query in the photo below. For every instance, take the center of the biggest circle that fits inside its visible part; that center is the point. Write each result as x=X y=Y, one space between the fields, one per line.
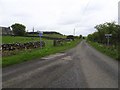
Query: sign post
x=108 y=36
x=40 y=35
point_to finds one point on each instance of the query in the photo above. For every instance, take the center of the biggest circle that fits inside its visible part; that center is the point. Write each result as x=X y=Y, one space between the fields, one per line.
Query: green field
x=109 y=51
x=25 y=55
x=12 y=39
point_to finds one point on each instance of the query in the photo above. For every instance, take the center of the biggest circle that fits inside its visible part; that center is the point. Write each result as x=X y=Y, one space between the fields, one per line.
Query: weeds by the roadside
x=110 y=51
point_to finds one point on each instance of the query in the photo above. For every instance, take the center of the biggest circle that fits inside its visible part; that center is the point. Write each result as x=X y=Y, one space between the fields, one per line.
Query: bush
x=18 y=29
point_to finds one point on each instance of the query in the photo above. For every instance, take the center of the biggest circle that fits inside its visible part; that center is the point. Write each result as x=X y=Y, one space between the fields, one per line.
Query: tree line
x=20 y=30
x=45 y=32
x=106 y=28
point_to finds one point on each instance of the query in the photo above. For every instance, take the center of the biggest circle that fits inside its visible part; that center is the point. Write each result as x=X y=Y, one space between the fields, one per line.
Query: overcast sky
x=59 y=15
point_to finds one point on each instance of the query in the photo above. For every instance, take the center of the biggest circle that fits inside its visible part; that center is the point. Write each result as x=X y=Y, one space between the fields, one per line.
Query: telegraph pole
x=119 y=12
x=32 y=34
x=118 y=43
x=74 y=32
x=33 y=31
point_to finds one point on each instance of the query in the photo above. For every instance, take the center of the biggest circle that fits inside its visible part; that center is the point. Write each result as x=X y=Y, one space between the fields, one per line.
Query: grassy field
x=109 y=51
x=12 y=39
x=26 y=55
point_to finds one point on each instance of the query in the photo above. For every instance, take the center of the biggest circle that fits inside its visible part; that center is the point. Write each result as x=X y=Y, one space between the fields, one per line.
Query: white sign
x=108 y=35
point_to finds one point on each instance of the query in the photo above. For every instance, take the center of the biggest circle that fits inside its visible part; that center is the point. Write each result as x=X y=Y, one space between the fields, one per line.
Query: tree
x=107 y=28
x=80 y=36
x=70 y=37
x=18 y=29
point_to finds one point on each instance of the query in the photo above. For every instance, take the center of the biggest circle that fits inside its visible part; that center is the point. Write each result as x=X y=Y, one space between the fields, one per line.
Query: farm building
x=5 y=31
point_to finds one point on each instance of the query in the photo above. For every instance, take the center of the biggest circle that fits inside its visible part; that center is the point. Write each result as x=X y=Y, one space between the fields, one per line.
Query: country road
x=80 y=67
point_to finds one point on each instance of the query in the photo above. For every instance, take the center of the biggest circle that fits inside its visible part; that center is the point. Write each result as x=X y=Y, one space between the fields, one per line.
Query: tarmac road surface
x=80 y=67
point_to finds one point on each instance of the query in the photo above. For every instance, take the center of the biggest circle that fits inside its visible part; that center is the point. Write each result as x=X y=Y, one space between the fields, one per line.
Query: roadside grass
x=109 y=51
x=37 y=53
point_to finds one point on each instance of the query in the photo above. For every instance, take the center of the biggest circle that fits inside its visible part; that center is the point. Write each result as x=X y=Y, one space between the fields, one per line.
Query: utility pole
x=119 y=12
x=33 y=31
x=74 y=32
x=118 y=43
x=33 y=34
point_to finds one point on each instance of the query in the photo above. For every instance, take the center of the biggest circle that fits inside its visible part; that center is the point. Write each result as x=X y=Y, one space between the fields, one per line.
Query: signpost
x=108 y=36
x=40 y=35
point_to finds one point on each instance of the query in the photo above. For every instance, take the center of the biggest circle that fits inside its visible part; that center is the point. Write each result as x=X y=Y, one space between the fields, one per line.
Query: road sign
x=40 y=34
x=108 y=36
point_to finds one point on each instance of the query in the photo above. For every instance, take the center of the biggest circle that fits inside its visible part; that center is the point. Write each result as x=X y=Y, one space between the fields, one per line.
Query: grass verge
x=36 y=53
x=109 y=51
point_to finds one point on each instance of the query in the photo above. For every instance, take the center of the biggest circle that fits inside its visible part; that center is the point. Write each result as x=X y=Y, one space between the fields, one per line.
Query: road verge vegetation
x=32 y=54
x=109 y=51
x=107 y=38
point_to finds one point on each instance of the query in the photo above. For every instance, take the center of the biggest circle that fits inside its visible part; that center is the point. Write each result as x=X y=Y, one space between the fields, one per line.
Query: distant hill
x=52 y=34
x=45 y=32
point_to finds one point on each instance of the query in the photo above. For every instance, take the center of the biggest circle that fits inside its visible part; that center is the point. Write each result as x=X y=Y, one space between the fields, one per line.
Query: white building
x=5 y=31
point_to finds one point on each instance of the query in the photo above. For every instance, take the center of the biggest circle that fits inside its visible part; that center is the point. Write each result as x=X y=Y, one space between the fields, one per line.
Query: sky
x=59 y=15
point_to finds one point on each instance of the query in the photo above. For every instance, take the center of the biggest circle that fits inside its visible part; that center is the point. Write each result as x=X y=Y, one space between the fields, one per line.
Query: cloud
x=58 y=15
